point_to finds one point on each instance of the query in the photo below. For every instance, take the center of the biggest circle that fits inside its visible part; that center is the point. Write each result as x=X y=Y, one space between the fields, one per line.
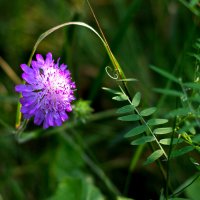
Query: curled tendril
x=114 y=74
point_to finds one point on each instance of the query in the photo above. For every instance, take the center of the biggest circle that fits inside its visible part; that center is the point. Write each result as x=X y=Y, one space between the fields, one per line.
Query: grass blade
x=165 y=74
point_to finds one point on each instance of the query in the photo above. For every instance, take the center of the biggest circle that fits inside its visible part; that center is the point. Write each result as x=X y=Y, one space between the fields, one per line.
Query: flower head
x=48 y=91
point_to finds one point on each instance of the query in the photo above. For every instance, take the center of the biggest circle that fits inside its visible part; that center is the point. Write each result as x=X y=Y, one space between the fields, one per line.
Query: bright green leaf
x=143 y=140
x=125 y=109
x=165 y=130
x=136 y=131
x=154 y=156
x=167 y=141
x=148 y=111
x=121 y=97
x=132 y=117
x=153 y=122
x=136 y=99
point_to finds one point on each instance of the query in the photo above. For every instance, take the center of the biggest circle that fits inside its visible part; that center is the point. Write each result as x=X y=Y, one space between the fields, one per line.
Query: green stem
x=24 y=137
x=151 y=145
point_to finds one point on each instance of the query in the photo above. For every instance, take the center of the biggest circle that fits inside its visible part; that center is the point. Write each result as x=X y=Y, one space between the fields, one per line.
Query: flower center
x=56 y=89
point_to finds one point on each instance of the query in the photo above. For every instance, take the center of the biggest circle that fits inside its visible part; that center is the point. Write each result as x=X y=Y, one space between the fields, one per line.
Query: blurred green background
x=66 y=162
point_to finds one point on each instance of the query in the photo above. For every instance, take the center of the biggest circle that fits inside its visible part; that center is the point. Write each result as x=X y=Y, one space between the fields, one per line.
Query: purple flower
x=47 y=93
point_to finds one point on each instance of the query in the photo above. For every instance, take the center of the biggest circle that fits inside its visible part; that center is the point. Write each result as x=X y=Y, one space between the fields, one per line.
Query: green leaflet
x=165 y=74
x=136 y=131
x=154 y=156
x=168 y=92
x=136 y=99
x=181 y=151
x=121 y=97
x=125 y=109
x=168 y=141
x=154 y=122
x=111 y=90
x=133 y=117
x=148 y=111
x=143 y=140
x=160 y=131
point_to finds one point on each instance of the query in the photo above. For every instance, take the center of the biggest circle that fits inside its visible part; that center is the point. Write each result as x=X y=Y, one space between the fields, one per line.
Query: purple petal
x=63 y=67
x=23 y=88
x=68 y=107
x=45 y=124
x=27 y=101
x=25 y=109
x=63 y=116
x=35 y=65
x=57 y=64
x=34 y=108
x=39 y=117
x=26 y=69
x=58 y=120
x=29 y=79
x=48 y=59
x=40 y=58
x=49 y=118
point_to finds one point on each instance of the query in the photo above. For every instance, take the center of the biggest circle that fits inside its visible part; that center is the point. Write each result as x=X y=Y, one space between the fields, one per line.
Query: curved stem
x=76 y=23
